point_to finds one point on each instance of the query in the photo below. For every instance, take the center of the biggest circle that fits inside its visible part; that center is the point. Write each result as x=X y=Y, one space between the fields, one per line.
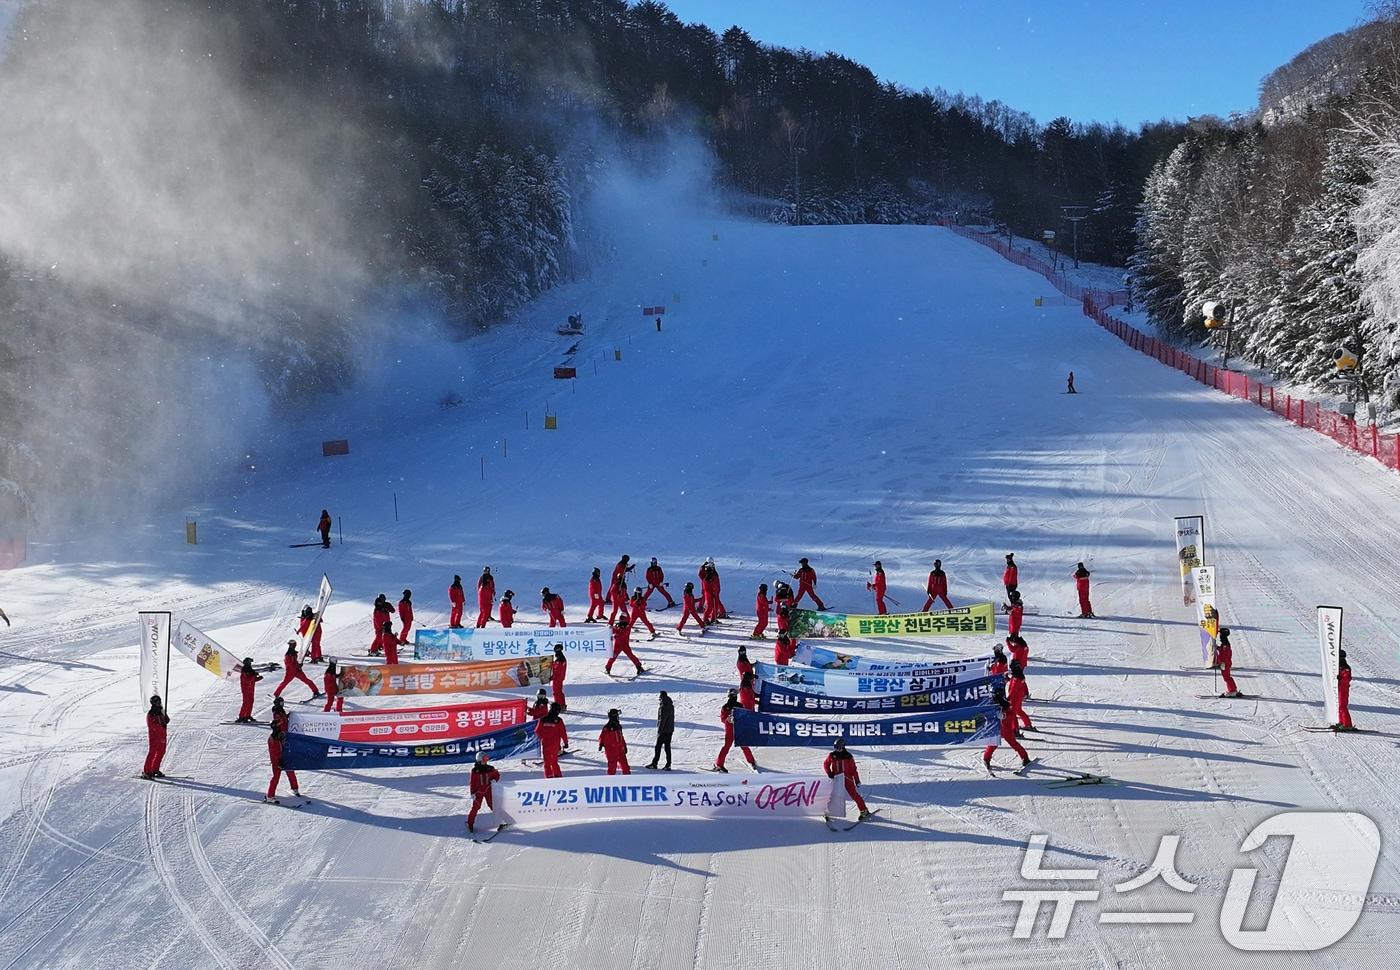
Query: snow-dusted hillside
x=844 y=394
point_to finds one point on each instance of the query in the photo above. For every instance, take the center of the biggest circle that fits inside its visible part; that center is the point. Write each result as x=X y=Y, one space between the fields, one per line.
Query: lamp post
x=1213 y=311
x=1049 y=236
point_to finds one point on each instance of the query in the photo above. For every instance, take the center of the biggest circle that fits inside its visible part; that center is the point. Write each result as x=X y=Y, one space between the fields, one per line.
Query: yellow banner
x=976 y=620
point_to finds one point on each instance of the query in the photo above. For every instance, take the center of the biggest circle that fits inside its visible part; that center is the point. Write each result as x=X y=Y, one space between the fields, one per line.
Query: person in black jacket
x=665 y=725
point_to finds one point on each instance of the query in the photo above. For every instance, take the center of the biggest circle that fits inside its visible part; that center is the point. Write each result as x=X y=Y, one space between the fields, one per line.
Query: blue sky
x=1093 y=60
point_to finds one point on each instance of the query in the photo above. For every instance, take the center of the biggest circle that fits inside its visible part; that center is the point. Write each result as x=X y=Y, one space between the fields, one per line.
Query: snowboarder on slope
x=328 y=679
x=613 y=744
x=665 y=727
x=308 y=616
x=458 y=597
x=1343 y=693
x=761 y=606
x=485 y=597
x=622 y=644
x=294 y=672
x=656 y=582
x=405 y=614
x=508 y=609
x=274 y=755
x=842 y=762
x=1225 y=656
x=324 y=527
x=726 y=717
x=482 y=775
x=558 y=669
x=937 y=587
x=878 y=586
x=1008 y=734
x=247 y=677
x=553 y=737
x=806 y=578
x=1081 y=586
x=156 y=723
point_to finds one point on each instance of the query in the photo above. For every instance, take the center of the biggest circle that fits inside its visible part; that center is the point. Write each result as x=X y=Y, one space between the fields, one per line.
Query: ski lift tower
x=1075 y=214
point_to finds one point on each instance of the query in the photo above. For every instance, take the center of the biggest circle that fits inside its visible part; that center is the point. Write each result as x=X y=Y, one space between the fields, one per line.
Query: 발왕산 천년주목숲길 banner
x=855 y=683
x=557 y=801
x=302 y=752
x=774 y=699
x=964 y=621
x=480 y=644
x=390 y=680
x=412 y=725
x=814 y=656
x=963 y=725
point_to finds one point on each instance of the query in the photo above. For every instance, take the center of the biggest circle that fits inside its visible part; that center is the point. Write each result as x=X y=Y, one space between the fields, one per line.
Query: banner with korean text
x=855 y=683
x=976 y=620
x=964 y=725
x=155 y=657
x=557 y=801
x=481 y=644
x=1190 y=552
x=773 y=699
x=1329 y=641
x=1203 y=578
x=390 y=680
x=204 y=651
x=813 y=656
x=302 y=752
x=412 y=724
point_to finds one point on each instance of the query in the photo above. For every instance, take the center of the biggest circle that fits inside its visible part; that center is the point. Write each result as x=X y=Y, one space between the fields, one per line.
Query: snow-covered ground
x=845 y=394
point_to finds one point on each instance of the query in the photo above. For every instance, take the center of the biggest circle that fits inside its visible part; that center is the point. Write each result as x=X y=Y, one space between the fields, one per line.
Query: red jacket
x=291 y=663
x=761 y=606
x=406 y=611
x=841 y=763
x=1017 y=691
x=748 y=700
x=1008 y=576
x=554 y=606
x=807 y=576
x=1008 y=726
x=552 y=734
x=507 y=614
x=282 y=721
x=618 y=596
x=622 y=637
x=743 y=667
x=612 y=742
x=486 y=584
x=1225 y=655
x=482 y=776
x=655 y=576
x=1081 y=583
x=557 y=669
x=638 y=606
x=997 y=667
x=937 y=582
x=1020 y=654
x=595 y=588
x=879 y=584
x=328 y=679
x=274 y=751
x=247 y=679
x=383 y=613
x=456 y=595
x=620 y=570
x=538 y=711
x=155 y=726
x=1014 y=618
x=690 y=602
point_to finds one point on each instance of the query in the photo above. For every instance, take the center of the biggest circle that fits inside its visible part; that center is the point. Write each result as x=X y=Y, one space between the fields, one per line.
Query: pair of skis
x=483 y=839
x=830 y=822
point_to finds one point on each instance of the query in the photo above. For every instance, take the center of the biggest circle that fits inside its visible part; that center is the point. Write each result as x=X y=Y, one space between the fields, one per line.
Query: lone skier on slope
x=1070 y=388
x=1081 y=586
x=613 y=744
x=842 y=762
x=156 y=723
x=806 y=578
x=878 y=586
x=937 y=587
x=324 y=527
x=665 y=727
x=482 y=775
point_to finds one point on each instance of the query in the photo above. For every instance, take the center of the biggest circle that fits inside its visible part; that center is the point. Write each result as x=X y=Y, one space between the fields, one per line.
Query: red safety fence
x=1365 y=439
x=1035 y=264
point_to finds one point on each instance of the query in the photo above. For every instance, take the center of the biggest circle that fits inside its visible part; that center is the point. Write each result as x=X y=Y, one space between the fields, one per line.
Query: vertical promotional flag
x=1190 y=552
x=1203 y=578
x=155 y=657
x=323 y=598
x=1329 y=640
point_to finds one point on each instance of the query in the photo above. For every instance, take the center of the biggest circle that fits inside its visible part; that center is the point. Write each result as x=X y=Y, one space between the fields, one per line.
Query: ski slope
x=844 y=394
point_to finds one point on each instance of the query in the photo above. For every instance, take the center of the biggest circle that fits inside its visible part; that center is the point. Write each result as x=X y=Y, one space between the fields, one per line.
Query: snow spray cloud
x=176 y=238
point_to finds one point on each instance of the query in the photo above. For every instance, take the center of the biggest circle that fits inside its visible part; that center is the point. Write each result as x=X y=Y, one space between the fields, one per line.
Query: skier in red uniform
x=458 y=598
x=748 y=693
x=507 y=613
x=323 y=526
x=937 y=587
x=383 y=613
x=595 y=597
x=482 y=775
x=1008 y=734
x=389 y=644
x=1081 y=586
x=1016 y=614
x=294 y=672
x=784 y=649
x=328 y=680
x=638 y=611
x=558 y=669
x=405 y=614
x=878 y=586
x=538 y=708
x=1017 y=690
x=690 y=608
x=998 y=665
x=761 y=607
x=622 y=644
x=842 y=762
x=743 y=665
x=308 y=616
x=1010 y=575
x=281 y=720
x=274 y=754
x=1019 y=649
x=806 y=578
x=247 y=677
x=621 y=570
x=156 y=723
x=656 y=583
x=1225 y=657
x=726 y=717
x=485 y=597
x=613 y=744
x=553 y=738
x=553 y=605
x=617 y=598
x=709 y=592
x=784 y=619
x=1343 y=692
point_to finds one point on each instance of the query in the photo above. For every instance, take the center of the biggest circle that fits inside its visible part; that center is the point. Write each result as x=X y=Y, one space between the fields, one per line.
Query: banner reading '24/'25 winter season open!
x=976 y=620
x=556 y=801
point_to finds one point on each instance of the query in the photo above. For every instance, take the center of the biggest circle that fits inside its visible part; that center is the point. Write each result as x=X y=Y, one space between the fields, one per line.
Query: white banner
x=204 y=651
x=155 y=657
x=813 y=656
x=558 y=801
x=471 y=645
x=1329 y=640
x=855 y=683
x=1190 y=551
x=323 y=598
x=1207 y=616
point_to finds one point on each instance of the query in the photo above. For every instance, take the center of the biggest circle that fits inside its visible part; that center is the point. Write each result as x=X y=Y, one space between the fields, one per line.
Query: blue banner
x=775 y=699
x=302 y=752
x=814 y=656
x=965 y=725
x=518 y=642
x=857 y=683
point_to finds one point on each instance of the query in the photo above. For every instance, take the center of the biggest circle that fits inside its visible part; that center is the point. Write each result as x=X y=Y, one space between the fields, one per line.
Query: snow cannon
x=1215 y=315
x=1346 y=360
